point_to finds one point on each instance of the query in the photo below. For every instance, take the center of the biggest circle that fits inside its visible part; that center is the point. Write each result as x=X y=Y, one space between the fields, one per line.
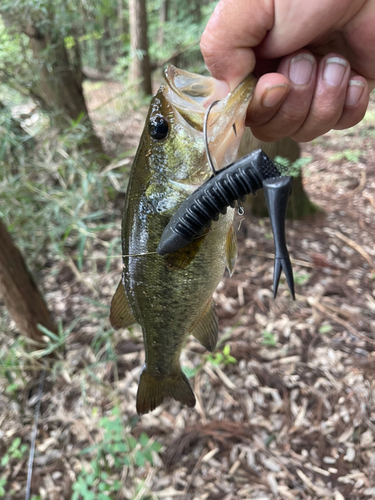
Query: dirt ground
x=293 y=417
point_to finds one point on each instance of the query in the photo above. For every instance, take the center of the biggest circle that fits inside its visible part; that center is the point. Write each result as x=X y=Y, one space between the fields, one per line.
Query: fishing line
x=139 y=254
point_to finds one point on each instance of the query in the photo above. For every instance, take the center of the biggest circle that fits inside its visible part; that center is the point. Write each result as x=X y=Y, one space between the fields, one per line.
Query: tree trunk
x=60 y=85
x=140 y=65
x=197 y=14
x=121 y=27
x=299 y=205
x=163 y=18
x=19 y=292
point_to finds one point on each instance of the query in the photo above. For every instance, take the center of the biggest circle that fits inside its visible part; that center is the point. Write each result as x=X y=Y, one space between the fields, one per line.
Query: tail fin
x=152 y=391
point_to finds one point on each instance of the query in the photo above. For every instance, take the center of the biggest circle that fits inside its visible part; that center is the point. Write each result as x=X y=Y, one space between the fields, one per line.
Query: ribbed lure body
x=232 y=183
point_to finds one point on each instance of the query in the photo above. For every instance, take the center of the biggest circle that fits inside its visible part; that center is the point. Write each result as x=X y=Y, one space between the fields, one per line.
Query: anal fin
x=152 y=391
x=231 y=250
x=206 y=328
x=120 y=315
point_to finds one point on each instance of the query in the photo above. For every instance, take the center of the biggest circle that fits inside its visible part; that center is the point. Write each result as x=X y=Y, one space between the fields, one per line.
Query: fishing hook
x=240 y=209
x=205 y=137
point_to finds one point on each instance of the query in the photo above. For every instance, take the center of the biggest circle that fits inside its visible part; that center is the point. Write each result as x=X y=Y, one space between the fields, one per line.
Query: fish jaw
x=226 y=123
x=191 y=94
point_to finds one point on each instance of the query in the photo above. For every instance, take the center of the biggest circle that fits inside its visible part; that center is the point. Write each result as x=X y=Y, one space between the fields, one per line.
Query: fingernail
x=274 y=95
x=355 y=90
x=301 y=68
x=334 y=71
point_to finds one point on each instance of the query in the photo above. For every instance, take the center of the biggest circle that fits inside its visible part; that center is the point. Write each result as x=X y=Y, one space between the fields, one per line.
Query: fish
x=171 y=296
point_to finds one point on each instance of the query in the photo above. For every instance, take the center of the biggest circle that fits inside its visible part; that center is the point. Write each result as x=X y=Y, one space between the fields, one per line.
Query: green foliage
x=269 y=339
x=326 y=328
x=15 y=451
x=15 y=59
x=55 y=342
x=115 y=451
x=301 y=278
x=11 y=375
x=293 y=169
x=348 y=154
x=222 y=358
x=3 y=482
x=13 y=138
x=181 y=32
x=55 y=199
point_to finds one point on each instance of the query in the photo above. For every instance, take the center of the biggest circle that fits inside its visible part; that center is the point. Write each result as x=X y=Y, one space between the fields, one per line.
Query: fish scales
x=171 y=296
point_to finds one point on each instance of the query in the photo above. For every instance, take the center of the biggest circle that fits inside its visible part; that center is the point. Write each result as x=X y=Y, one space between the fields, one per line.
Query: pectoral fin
x=231 y=250
x=120 y=315
x=182 y=258
x=206 y=328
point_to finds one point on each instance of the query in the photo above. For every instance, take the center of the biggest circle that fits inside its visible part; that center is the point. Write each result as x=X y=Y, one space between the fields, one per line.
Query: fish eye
x=158 y=127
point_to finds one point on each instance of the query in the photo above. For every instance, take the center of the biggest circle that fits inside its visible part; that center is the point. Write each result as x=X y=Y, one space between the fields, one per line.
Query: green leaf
x=148 y=455
x=120 y=448
x=144 y=439
x=132 y=442
x=155 y=446
x=15 y=445
x=102 y=486
x=226 y=350
x=190 y=372
x=325 y=328
x=116 y=485
x=81 y=249
x=90 y=479
x=139 y=458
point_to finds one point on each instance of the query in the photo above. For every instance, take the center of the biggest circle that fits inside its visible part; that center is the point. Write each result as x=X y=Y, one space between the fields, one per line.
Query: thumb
x=234 y=29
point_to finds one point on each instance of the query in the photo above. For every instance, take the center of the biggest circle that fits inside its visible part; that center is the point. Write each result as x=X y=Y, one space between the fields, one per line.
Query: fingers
x=306 y=99
x=356 y=102
x=233 y=29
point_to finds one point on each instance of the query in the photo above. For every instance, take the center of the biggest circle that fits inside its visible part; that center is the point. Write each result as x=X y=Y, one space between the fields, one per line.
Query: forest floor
x=286 y=405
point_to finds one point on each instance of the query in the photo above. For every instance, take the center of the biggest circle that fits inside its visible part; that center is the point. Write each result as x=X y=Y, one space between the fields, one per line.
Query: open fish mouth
x=190 y=95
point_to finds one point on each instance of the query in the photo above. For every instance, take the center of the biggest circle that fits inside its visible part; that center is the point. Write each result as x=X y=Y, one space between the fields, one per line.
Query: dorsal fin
x=121 y=315
x=206 y=328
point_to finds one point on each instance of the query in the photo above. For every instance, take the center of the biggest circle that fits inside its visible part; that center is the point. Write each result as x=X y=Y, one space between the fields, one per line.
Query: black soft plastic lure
x=230 y=184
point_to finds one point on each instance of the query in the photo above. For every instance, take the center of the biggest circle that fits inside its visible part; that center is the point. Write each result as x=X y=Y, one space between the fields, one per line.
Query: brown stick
x=19 y=292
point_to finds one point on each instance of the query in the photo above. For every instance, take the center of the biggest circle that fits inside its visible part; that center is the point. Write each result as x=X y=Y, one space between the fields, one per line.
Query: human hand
x=323 y=53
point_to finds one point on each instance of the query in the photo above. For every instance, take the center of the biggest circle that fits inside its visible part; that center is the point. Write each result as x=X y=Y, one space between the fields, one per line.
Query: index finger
x=233 y=29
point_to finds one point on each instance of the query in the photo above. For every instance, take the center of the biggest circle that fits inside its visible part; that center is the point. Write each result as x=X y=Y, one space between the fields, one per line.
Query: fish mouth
x=191 y=94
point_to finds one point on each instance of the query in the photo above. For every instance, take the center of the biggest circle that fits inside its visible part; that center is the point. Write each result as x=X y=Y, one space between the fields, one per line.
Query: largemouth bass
x=171 y=296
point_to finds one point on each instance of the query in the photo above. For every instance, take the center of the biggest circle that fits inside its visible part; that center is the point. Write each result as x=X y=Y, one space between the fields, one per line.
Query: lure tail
x=152 y=391
x=277 y=192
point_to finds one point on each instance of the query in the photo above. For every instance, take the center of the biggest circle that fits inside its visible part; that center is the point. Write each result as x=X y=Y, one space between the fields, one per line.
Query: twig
x=342 y=322
x=298 y=262
x=360 y=186
x=193 y=474
x=354 y=245
x=33 y=435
